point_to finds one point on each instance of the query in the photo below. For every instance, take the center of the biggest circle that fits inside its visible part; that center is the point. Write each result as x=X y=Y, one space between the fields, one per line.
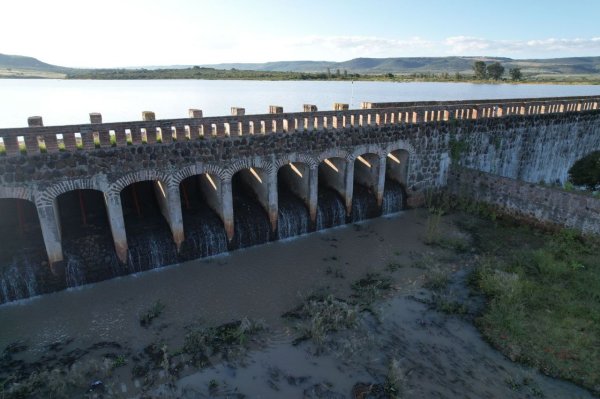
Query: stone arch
x=247 y=163
x=403 y=145
x=23 y=193
x=399 y=145
x=367 y=149
x=198 y=169
x=49 y=195
x=141 y=175
x=335 y=152
x=306 y=159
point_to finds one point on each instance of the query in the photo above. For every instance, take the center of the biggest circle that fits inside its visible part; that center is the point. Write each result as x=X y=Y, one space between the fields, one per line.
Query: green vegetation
x=395 y=381
x=370 y=288
x=225 y=341
x=495 y=70
x=206 y=74
x=586 y=171
x=457 y=148
x=480 y=70
x=515 y=74
x=574 y=70
x=151 y=313
x=321 y=315
x=544 y=300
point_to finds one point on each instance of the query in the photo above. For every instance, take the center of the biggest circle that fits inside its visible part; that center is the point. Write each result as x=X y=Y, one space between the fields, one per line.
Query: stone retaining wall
x=550 y=206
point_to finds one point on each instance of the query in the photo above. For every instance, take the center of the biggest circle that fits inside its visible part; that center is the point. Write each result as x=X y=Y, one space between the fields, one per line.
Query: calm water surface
x=70 y=101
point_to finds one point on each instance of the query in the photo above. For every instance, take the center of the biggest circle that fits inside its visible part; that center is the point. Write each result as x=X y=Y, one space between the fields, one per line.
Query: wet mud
x=361 y=311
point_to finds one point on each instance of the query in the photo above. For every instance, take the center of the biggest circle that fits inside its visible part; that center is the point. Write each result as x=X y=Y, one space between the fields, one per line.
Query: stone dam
x=84 y=203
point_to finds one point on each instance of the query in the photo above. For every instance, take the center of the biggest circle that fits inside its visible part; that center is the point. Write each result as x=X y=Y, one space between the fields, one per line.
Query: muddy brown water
x=434 y=354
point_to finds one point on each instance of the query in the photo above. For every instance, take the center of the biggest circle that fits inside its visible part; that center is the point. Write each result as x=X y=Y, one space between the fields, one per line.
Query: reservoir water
x=63 y=102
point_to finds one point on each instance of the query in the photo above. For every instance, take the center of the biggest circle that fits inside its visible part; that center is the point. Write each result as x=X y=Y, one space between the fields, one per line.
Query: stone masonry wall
x=531 y=148
x=537 y=149
x=533 y=202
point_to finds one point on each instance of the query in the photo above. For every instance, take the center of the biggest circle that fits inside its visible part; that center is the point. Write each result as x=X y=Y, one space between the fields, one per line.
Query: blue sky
x=158 y=32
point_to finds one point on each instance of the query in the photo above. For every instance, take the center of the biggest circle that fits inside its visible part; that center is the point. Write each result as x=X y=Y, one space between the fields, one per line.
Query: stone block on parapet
x=95 y=117
x=275 y=109
x=238 y=111
x=148 y=116
x=340 y=106
x=195 y=113
x=309 y=108
x=35 y=121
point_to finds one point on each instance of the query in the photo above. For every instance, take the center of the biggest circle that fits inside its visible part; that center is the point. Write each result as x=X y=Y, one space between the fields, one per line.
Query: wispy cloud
x=462 y=45
x=344 y=47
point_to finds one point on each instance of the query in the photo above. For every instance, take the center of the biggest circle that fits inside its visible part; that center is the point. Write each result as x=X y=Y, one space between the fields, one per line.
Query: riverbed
x=397 y=340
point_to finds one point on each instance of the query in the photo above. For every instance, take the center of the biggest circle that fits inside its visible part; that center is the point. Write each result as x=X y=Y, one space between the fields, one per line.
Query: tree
x=479 y=69
x=586 y=171
x=495 y=70
x=515 y=73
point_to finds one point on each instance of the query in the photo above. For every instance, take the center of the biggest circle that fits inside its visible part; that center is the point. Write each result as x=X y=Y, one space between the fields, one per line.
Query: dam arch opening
x=23 y=259
x=365 y=186
x=332 y=193
x=293 y=196
x=86 y=237
x=149 y=235
x=250 y=194
x=396 y=181
x=202 y=213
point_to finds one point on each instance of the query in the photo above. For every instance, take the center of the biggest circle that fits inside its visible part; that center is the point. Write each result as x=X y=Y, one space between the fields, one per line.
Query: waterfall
x=393 y=197
x=74 y=273
x=18 y=280
x=90 y=255
x=364 y=204
x=204 y=234
x=293 y=217
x=151 y=249
x=331 y=211
x=251 y=222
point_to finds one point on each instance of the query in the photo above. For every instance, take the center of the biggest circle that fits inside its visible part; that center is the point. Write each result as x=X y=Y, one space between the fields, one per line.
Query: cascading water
x=149 y=237
x=331 y=211
x=150 y=249
x=204 y=233
x=90 y=255
x=251 y=222
x=74 y=273
x=393 y=197
x=18 y=280
x=364 y=204
x=293 y=217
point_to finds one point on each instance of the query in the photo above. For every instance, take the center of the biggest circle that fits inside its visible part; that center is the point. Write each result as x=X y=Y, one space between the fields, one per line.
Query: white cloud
x=344 y=47
x=465 y=45
x=337 y=48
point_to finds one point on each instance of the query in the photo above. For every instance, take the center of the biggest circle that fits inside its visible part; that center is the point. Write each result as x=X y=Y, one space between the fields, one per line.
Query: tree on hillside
x=515 y=73
x=495 y=70
x=480 y=70
x=586 y=171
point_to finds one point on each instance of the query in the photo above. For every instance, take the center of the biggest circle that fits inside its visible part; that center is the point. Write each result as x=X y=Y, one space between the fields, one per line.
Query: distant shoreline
x=285 y=76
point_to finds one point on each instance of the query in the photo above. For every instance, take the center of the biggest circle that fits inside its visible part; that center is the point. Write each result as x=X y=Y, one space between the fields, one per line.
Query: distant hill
x=407 y=65
x=21 y=66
